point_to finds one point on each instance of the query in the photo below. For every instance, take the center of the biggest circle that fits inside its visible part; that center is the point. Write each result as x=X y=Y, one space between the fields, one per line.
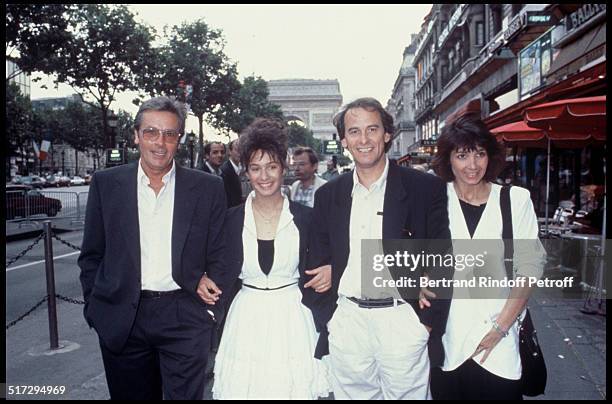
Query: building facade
x=496 y=60
x=401 y=107
x=19 y=78
x=312 y=102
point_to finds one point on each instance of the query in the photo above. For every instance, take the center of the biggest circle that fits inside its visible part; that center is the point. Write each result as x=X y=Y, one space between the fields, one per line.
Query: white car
x=76 y=180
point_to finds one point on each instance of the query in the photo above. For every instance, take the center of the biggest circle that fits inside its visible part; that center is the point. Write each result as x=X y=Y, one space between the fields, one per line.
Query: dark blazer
x=234 y=223
x=233 y=186
x=205 y=168
x=110 y=254
x=415 y=207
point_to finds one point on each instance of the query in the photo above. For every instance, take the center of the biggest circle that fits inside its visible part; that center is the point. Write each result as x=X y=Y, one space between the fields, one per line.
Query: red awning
x=583 y=117
x=521 y=134
x=518 y=133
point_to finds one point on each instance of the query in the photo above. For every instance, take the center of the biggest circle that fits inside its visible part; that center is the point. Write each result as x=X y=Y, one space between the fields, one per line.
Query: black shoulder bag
x=533 y=377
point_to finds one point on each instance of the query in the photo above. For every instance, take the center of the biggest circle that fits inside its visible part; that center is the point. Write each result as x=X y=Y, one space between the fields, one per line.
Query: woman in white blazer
x=481 y=340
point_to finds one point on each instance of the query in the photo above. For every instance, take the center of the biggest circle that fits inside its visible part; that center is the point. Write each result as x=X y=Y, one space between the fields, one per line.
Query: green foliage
x=17 y=119
x=301 y=136
x=250 y=102
x=36 y=32
x=103 y=51
x=194 y=54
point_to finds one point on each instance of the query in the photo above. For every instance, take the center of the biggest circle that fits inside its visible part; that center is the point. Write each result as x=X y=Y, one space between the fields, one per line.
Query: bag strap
x=507 y=233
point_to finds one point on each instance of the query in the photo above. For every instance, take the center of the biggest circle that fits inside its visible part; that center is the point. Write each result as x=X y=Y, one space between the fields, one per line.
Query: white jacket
x=469 y=320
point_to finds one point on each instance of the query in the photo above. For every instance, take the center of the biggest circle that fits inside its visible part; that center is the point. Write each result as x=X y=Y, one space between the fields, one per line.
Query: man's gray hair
x=162 y=104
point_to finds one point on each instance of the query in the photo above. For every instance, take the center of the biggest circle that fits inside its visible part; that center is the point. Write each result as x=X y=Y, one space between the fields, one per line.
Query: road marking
x=41 y=261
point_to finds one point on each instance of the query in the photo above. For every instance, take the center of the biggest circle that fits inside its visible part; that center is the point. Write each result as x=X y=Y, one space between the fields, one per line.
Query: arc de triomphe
x=313 y=102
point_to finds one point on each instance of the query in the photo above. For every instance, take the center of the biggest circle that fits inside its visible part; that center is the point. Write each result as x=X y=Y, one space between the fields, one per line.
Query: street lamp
x=63 y=162
x=113 y=120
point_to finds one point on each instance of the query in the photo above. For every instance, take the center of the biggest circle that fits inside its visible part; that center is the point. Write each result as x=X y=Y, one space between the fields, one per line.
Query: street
x=573 y=343
x=25 y=280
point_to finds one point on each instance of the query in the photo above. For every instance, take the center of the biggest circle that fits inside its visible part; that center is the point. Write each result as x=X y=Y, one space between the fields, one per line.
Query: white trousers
x=378 y=353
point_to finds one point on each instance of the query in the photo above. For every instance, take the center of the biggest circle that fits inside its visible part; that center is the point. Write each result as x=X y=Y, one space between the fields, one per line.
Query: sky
x=359 y=45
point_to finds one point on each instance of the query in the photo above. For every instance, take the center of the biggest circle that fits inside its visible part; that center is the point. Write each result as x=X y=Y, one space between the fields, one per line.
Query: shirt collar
x=144 y=179
x=286 y=216
x=378 y=184
x=237 y=168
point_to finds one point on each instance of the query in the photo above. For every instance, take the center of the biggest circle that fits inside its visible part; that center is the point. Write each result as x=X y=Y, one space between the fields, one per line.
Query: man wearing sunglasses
x=152 y=263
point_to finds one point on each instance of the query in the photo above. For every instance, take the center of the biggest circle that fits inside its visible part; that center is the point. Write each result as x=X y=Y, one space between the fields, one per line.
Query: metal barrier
x=27 y=205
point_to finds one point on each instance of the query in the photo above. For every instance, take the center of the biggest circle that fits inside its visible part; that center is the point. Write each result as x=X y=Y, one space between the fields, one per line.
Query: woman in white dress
x=267 y=349
x=481 y=340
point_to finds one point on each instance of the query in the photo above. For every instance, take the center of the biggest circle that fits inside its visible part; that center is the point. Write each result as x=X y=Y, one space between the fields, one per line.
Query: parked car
x=76 y=180
x=33 y=180
x=57 y=181
x=24 y=200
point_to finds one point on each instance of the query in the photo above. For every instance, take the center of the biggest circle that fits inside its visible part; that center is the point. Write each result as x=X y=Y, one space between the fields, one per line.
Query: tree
x=105 y=53
x=194 y=56
x=34 y=33
x=250 y=102
x=302 y=136
x=18 y=121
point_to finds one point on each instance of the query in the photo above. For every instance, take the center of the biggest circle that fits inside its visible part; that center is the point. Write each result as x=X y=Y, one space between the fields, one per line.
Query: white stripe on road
x=42 y=261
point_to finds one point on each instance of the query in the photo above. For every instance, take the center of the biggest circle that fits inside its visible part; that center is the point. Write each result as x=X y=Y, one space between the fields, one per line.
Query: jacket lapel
x=396 y=206
x=341 y=218
x=128 y=186
x=185 y=201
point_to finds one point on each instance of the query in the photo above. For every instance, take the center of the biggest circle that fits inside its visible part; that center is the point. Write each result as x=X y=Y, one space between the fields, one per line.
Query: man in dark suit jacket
x=214 y=153
x=377 y=346
x=152 y=263
x=230 y=173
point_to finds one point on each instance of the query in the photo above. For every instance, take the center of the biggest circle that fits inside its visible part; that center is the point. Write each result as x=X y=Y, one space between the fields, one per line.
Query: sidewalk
x=30 y=229
x=576 y=367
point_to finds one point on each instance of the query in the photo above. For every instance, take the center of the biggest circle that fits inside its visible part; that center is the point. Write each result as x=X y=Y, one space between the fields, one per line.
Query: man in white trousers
x=379 y=348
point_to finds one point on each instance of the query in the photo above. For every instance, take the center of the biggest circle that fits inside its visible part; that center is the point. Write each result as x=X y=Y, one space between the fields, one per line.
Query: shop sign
x=534 y=63
x=451 y=24
x=539 y=18
x=515 y=25
x=428 y=142
x=582 y=15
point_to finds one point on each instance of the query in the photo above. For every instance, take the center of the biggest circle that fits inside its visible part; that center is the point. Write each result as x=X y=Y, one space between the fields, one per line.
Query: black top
x=266 y=255
x=472 y=215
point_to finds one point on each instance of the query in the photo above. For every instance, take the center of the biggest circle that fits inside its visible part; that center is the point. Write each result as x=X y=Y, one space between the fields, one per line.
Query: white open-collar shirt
x=366 y=223
x=155 y=217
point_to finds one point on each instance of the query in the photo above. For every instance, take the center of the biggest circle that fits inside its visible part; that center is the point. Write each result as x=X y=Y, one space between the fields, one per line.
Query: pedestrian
x=481 y=341
x=231 y=171
x=267 y=349
x=214 y=154
x=378 y=347
x=152 y=263
x=303 y=189
x=332 y=171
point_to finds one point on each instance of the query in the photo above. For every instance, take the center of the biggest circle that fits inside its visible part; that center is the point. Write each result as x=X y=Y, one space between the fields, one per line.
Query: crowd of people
x=280 y=273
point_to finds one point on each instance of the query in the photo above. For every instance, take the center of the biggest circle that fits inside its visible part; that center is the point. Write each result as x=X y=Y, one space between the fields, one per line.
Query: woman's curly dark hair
x=266 y=135
x=468 y=132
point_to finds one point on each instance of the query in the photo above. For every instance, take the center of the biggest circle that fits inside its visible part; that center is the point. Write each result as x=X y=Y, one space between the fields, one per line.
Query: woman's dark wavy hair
x=468 y=132
x=267 y=135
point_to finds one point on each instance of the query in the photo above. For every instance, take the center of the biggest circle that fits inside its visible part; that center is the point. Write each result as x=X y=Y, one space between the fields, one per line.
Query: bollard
x=51 y=308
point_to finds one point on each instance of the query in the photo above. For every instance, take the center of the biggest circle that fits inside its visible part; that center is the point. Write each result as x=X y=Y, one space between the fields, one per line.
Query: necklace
x=267 y=220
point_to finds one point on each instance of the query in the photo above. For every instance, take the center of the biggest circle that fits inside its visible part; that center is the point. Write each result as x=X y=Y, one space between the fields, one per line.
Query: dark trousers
x=165 y=355
x=470 y=381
